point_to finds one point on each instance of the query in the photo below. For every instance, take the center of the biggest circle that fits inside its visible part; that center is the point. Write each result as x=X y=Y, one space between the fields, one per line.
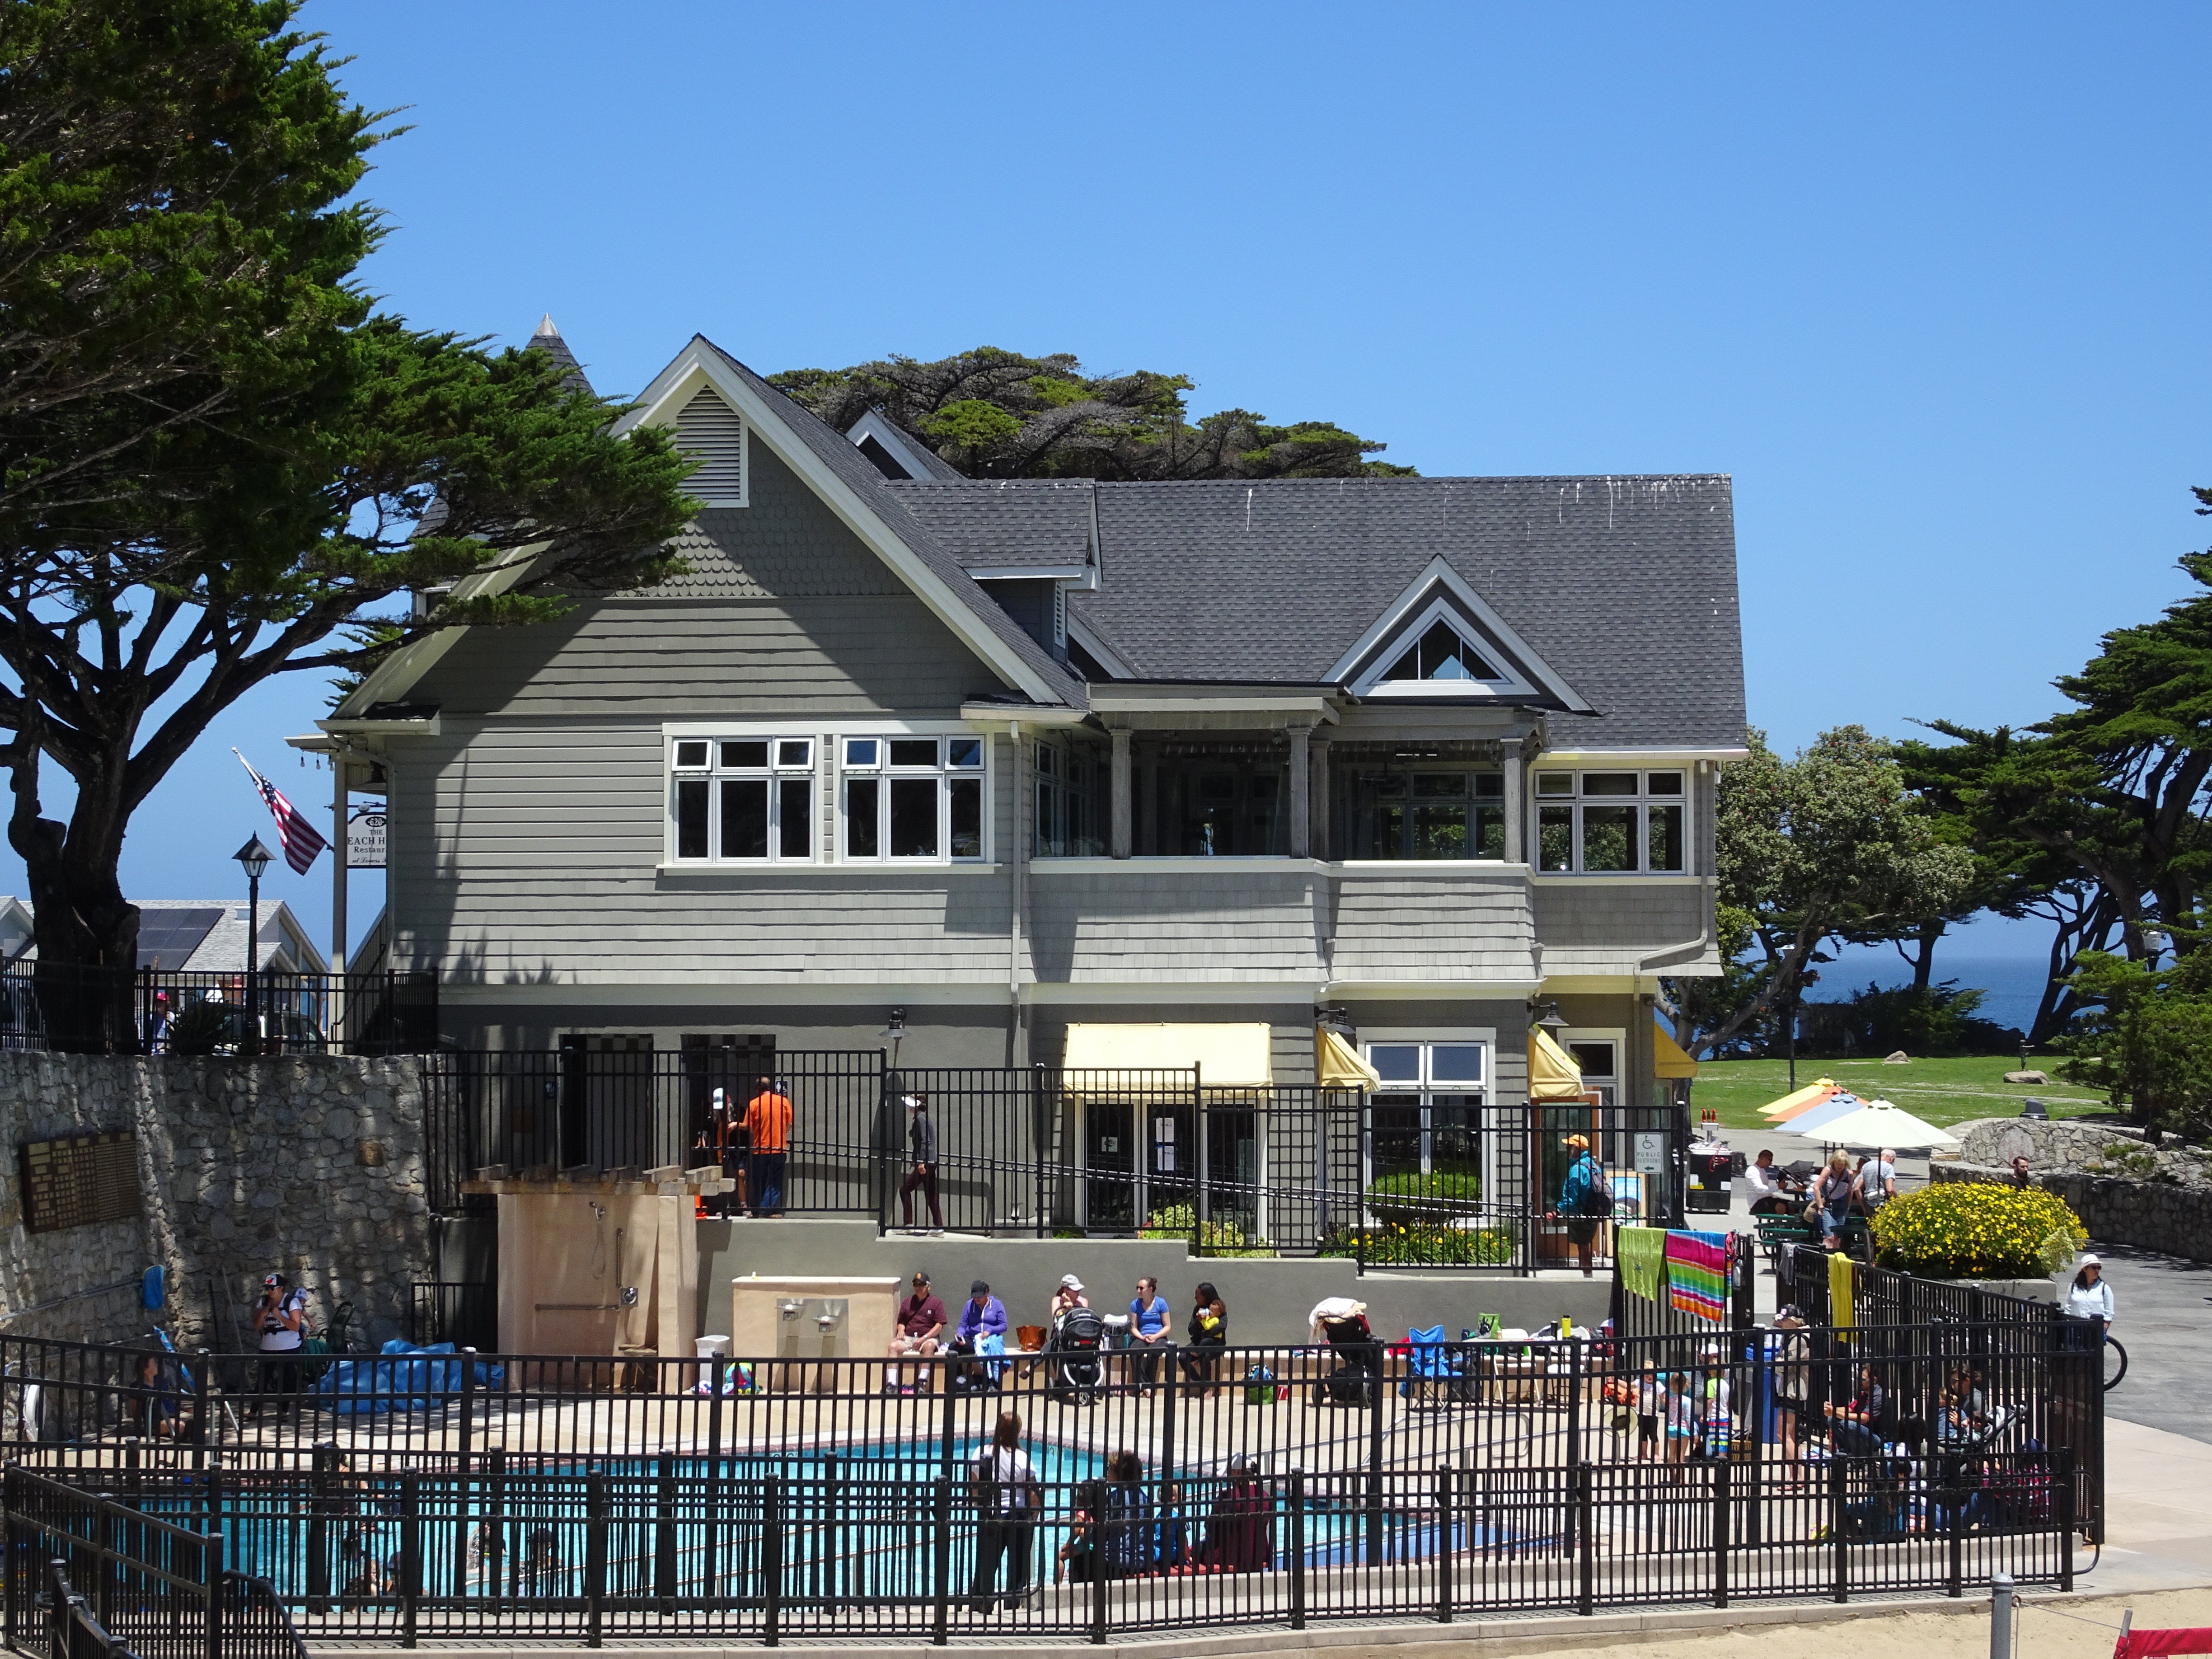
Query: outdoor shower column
x=1119 y=789
x=1300 y=794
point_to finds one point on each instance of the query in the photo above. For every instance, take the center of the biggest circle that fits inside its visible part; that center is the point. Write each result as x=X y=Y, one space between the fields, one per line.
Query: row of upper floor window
x=924 y=797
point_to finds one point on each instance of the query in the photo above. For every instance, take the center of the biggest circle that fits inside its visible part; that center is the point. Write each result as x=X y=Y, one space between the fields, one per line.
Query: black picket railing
x=1287 y=1170
x=589 y=1499
x=89 y=1008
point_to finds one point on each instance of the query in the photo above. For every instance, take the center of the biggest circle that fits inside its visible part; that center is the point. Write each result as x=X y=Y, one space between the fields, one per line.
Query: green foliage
x=219 y=467
x=1923 y=1020
x=997 y=414
x=1394 y=1244
x=1829 y=844
x=1218 y=1236
x=2146 y=1040
x=1961 y=1229
x=1438 y=1197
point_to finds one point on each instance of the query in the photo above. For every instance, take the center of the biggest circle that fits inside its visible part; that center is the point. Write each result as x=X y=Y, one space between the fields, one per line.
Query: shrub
x=1930 y=1020
x=1218 y=1237
x=1958 y=1229
x=1413 y=1198
x=1394 y=1244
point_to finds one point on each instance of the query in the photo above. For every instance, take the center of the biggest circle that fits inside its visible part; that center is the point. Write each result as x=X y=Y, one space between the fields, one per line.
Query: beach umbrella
x=1880 y=1123
x=1811 y=1095
x=1833 y=1107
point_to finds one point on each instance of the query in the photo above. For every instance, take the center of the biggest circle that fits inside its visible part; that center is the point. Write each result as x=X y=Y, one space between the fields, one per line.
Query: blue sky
x=1929 y=282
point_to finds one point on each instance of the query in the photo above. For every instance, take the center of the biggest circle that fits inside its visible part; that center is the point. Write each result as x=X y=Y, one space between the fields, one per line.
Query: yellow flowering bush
x=1961 y=1229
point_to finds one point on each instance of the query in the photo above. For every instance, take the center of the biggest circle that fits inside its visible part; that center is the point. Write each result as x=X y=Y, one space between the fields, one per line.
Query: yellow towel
x=1642 y=1251
x=1843 y=1288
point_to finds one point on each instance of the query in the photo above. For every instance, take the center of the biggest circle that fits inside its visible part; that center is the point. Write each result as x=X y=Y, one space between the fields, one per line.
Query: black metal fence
x=590 y=1499
x=1290 y=1169
x=161 y=1011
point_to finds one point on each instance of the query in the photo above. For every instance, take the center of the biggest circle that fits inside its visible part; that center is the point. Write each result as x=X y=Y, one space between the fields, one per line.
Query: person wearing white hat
x=2089 y=1297
x=1067 y=1297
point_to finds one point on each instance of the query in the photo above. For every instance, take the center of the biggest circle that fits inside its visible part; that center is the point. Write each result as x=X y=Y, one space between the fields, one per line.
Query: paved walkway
x=2164 y=1308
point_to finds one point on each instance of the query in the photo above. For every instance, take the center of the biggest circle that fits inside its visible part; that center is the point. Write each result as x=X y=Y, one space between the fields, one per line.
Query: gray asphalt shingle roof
x=1625 y=586
x=1005 y=521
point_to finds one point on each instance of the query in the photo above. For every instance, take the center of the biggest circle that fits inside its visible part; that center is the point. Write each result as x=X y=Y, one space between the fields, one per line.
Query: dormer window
x=1441 y=654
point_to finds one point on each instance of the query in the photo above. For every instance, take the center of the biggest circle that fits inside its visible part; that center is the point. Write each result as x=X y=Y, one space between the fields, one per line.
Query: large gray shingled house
x=1427 y=754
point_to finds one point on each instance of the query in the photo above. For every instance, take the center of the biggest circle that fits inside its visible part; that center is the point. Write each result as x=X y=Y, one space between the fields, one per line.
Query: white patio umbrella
x=1880 y=1123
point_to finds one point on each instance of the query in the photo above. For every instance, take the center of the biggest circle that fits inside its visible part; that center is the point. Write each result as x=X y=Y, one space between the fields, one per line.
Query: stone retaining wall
x=312 y=1166
x=2150 y=1215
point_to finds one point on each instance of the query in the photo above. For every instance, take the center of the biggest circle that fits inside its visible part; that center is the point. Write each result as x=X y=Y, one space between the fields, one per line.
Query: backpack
x=1596 y=1198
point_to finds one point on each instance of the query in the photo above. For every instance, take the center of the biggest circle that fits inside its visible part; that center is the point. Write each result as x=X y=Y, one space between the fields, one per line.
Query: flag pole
x=341 y=803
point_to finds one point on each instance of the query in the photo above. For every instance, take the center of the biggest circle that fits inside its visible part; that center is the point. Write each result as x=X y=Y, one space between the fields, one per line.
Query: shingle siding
x=1206 y=926
x=1606 y=927
x=1475 y=926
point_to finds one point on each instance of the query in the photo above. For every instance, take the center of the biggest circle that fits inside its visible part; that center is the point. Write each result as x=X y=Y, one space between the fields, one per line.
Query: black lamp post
x=256 y=858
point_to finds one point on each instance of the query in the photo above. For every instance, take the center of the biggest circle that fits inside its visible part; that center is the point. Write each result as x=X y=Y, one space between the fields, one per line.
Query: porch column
x=1515 y=812
x=1301 y=795
x=1120 y=791
x=1317 y=817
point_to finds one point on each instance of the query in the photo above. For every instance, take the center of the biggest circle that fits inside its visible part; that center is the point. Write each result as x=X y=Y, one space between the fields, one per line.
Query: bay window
x=1607 y=823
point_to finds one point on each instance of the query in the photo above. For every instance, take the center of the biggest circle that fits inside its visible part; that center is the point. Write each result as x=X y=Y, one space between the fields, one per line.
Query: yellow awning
x=1804 y=1096
x=1227 y=1056
x=1667 y=1058
x=1337 y=1064
x=1552 y=1074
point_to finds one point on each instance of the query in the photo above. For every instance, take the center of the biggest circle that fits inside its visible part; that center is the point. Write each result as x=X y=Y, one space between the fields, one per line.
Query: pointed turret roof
x=548 y=340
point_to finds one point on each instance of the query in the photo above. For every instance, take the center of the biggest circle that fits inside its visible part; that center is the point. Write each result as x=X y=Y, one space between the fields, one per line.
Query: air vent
x=715 y=432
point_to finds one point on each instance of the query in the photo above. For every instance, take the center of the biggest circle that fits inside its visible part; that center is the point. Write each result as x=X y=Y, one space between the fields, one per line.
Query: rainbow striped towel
x=1696 y=1273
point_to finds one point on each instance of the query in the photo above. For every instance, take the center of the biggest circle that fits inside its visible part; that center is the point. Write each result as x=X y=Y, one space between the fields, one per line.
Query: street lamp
x=255 y=858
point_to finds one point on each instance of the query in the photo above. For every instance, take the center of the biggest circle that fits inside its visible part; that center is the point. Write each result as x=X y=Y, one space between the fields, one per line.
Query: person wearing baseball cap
x=281 y=1317
x=1583 y=1200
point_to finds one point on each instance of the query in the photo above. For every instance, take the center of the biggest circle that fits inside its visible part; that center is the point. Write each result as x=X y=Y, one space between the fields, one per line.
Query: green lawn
x=1938 y=1091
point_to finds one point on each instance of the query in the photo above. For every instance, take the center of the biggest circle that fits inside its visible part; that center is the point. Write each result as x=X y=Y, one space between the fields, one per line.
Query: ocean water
x=2014 y=983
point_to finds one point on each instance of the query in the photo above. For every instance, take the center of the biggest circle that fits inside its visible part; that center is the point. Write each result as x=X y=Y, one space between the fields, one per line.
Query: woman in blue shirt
x=1148 y=1332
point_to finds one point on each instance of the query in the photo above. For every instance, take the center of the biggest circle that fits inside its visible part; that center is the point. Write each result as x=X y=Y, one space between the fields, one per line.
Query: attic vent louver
x=715 y=432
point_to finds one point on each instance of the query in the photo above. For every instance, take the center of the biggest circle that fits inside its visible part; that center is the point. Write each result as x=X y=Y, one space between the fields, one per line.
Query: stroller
x=1076 y=1357
x=1359 y=1363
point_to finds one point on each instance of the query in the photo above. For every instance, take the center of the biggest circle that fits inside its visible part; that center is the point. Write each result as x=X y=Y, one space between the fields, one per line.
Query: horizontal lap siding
x=1605 y=928
x=529 y=852
x=1430 y=928
x=1195 y=926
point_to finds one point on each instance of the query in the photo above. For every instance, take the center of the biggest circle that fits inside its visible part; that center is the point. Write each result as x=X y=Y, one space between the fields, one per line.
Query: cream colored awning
x=1552 y=1075
x=1227 y=1056
x=1337 y=1064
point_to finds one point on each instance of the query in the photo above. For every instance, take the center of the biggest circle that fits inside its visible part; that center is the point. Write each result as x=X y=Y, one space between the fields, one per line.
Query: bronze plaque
x=79 y=1180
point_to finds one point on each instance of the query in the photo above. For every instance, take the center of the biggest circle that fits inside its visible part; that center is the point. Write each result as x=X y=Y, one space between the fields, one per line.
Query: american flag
x=302 y=844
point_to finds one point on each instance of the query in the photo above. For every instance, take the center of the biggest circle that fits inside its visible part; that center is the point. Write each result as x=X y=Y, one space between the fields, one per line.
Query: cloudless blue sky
x=1929 y=281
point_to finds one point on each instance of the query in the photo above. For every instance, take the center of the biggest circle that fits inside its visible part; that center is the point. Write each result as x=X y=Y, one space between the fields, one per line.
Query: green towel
x=1642 y=1251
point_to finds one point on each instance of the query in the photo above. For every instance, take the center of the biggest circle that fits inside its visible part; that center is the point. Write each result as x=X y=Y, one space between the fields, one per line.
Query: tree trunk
x=87 y=930
x=1923 y=958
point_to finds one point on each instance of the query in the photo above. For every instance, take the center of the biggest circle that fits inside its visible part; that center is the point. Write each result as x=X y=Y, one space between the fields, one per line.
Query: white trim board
x=1406 y=618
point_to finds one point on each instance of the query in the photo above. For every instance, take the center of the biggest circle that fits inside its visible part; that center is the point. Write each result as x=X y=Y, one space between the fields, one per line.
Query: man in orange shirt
x=768 y=1124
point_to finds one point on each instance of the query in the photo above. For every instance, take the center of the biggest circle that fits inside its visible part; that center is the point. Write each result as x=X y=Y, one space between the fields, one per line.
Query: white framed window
x=1608 y=823
x=911 y=799
x=1427 y=1110
x=1599 y=1054
x=742 y=799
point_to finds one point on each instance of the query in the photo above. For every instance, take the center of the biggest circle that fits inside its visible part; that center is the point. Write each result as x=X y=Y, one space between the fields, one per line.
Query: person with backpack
x=1585 y=1200
x=1004 y=1484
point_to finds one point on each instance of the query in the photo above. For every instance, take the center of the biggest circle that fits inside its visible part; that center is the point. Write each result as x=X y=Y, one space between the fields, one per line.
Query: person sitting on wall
x=167 y=1415
x=1855 y=1428
x=920 y=1322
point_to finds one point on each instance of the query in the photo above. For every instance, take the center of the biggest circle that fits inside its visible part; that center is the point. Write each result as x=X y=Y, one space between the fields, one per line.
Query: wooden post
x=1516 y=827
x=1320 y=842
x=1301 y=823
x=1119 y=785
